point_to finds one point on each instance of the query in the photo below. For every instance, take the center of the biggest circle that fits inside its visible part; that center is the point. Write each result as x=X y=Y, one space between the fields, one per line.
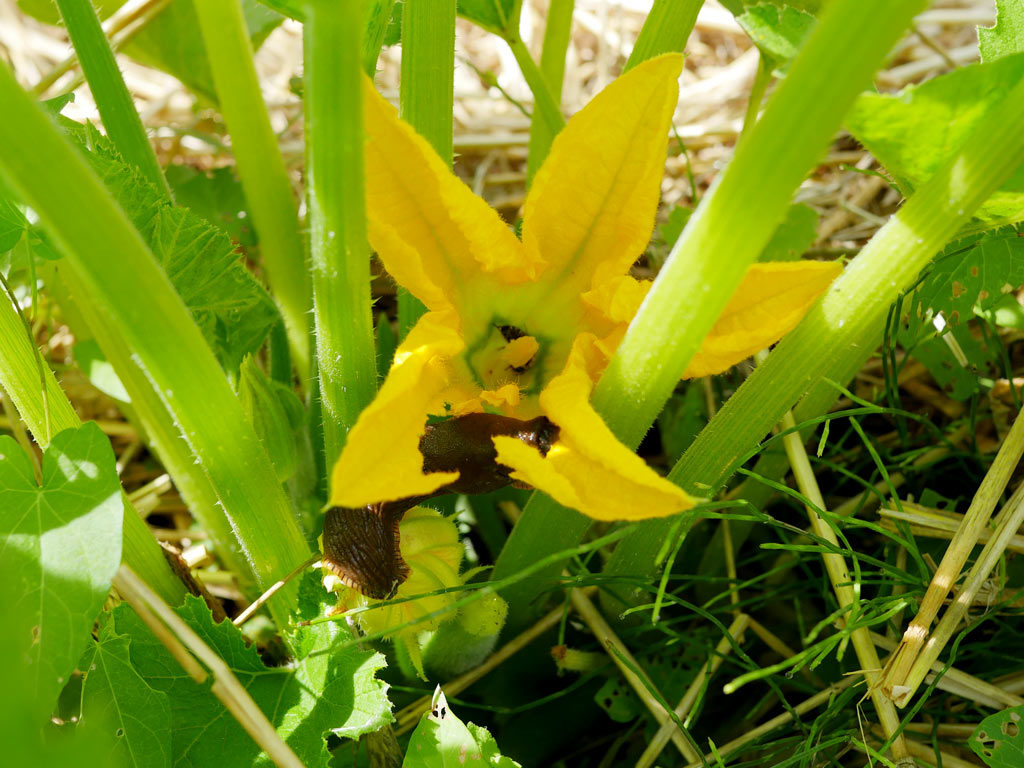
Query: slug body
x=361 y=545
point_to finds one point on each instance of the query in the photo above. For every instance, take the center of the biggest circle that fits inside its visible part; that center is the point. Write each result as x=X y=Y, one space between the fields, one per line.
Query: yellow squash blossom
x=525 y=328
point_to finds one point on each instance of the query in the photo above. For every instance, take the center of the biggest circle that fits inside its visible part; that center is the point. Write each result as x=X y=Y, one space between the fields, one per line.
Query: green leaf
x=387 y=343
x=1007 y=36
x=913 y=132
x=441 y=740
x=972 y=276
x=330 y=688
x=233 y=311
x=171 y=42
x=794 y=235
x=13 y=225
x=101 y=374
x=25 y=741
x=215 y=195
x=999 y=739
x=681 y=420
x=114 y=693
x=777 y=31
x=498 y=16
x=62 y=542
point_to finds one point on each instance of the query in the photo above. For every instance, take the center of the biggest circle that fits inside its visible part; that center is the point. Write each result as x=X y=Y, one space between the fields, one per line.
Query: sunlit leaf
x=61 y=542
x=442 y=740
x=328 y=689
x=999 y=739
x=1006 y=37
x=913 y=132
x=114 y=695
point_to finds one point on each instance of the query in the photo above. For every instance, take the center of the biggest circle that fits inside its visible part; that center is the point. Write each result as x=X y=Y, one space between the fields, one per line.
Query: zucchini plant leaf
x=13 y=225
x=231 y=308
x=171 y=42
x=795 y=235
x=215 y=195
x=330 y=688
x=913 y=132
x=61 y=543
x=999 y=739
x=777 y=31
x=441 y=740
x=498 y=16
x=114 y=693
x=973 y=276
x=1006 y=37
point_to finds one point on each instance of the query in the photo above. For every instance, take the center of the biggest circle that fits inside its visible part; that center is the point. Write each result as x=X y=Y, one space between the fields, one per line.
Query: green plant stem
x=667 y=28
x=426 y=97
x=261 y=169
x=46 y=415
x=171 y=371
x=346 y=360
x=108 y=89
x=830 y=341
x=557 y=31
x=545 y=105
x=378 y=18
x=726 y=233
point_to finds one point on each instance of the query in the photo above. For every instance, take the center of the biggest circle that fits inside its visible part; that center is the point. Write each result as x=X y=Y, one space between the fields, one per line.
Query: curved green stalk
x=346 y=360
x=828 y=343
x=108 y=89
x=261 y=169
x=171 y=371
x=729 y=229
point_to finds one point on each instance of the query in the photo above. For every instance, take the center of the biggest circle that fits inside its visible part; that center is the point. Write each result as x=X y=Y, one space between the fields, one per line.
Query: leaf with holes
x=913 y=132
x=442 y=740
x=972 y=276
x=115 y=695
x=1007 y=36
x=61 y=542
x=329 y=689
x=999 y=739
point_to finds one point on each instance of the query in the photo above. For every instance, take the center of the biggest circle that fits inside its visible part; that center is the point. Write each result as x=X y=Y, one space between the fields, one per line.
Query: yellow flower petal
x=433 y=234
x=381 y=460
x=588 y=468
x=590 y=211
x=770 y=301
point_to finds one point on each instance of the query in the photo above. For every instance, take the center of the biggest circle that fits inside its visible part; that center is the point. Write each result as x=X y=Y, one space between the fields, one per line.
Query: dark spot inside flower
x=510 y=332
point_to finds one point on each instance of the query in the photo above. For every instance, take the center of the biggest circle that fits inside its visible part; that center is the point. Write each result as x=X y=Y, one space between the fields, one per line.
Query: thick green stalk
x=557 y=31
x=426 y=97
x=148 y=318
x=666 y=29
x=729 y=229
x=346 y=360
x=261 y=169
x=828 y=343
x=108 y=89
x=20 y=368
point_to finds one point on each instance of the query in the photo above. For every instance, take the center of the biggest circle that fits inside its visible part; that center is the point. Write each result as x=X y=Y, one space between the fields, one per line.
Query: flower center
x=506 y=355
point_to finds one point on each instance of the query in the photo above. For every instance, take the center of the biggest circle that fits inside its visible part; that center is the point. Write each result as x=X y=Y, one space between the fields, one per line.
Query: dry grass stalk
x=895 y=680
x=1010 y=520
